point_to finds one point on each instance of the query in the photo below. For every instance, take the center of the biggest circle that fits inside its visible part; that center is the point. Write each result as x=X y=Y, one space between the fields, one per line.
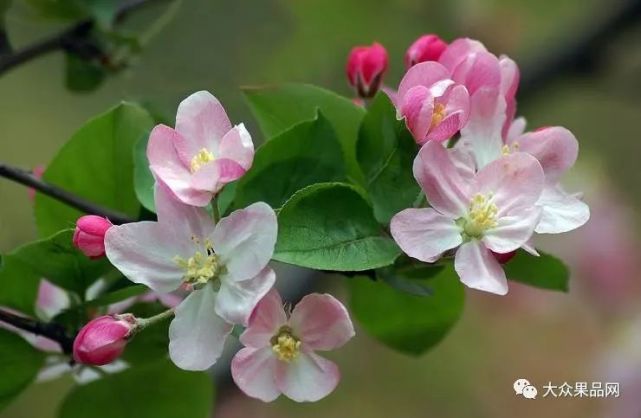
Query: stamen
x=201 y=267
x=203 y=157
x=285 y=345
x=438 y=114
x=482 y=216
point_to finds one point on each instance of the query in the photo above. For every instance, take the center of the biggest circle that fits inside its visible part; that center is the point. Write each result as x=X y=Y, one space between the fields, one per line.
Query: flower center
x=509 y=149
x=285 y=345
x=438 y=114
x=481 y=216
x=202 y=267
x=203 y=157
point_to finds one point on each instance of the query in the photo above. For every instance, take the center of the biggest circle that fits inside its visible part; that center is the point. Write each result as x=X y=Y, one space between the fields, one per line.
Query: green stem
x=143 y=323
x=216 y=212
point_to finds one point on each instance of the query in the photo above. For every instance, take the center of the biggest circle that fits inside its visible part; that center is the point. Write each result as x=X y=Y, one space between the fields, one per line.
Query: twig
x=26 y=178
x=52 y=331
x=71 y=39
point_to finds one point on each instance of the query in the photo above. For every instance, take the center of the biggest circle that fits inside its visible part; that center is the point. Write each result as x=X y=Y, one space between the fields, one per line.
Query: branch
x=69 y=39
x=52 y=331
x=26 y=178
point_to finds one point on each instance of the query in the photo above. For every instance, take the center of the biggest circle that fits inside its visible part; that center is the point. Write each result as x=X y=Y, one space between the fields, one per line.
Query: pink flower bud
x=365 y=68
x=103 y=339
x=89 y=236
x=505 y=257
x=426 y=48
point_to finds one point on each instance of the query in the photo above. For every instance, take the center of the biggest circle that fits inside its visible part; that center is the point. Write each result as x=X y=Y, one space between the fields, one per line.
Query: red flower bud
x=365 y=68
x=89 y=236
x=103 y=339
x=426 y=48
x=504 y=258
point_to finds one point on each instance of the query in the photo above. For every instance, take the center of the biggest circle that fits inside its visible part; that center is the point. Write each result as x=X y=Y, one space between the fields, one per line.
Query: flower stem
x=26 y=178
x=143 y=323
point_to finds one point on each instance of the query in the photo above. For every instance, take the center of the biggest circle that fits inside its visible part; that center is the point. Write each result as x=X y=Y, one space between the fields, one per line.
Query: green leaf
x=59 y=9
x=96 y=164
x=154 y=390
x=407 y=323
x=278 y=108
x=546 y=271
x=117 y=296
x=20 y=363
x=385 y=152
x=83 y=75
x=150 y=345
x=330 y=226
x=60 y=262
x=143 y=179
x=306 y=154
x=19 y=285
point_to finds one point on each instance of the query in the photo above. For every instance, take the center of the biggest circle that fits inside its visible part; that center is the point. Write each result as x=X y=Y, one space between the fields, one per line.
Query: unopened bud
x=365 y=68
x=103 y=339
x=426 y=48
x=89 y=236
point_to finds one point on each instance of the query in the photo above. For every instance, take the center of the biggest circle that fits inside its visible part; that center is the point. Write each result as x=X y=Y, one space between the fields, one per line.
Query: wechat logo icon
x=523 y=388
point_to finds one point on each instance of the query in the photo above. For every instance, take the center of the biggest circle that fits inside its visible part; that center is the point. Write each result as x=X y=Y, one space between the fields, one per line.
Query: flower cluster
x=221 y=264
x=490 y=185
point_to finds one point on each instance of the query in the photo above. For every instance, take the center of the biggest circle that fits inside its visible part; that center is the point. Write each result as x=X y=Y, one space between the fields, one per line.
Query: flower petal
x=422 y=74
x=203 y=122
x=185 y=220
x=440 y=180
x=211 y=177
x=513 y=231
x=479 y=269
x=237 y=300
x=265 y=321
x=308 y=378
x=145 y=251
x=515 y=181
x=417 y=107
x=51 y=300
x=478 y=70
x=424 y=233
x=253 y=371
x=482 y=133
x=169 y=168
x=321 y=322
x=245 y=240
x=458 y=50
x=237 y=145
x=556 y=148
x=562 y=212
x=197 y=335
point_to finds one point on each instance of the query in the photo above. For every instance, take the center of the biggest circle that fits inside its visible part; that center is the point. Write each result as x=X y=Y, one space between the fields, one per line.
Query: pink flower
x=472 y=65
x=365 y=68
x=225 y=266
x=426 y=48
x=491 y=211
x=203 y=153
x=555 y=148
x=434 y=106
x=103 y=339
x=89 y=236
x=279 y=354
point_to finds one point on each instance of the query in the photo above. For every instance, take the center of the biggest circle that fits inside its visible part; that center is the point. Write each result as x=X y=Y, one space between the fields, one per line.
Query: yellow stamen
x=285 y=345
x=482 y=216
x=201 y=267
x=203 y=157
x=438 y=114
x=507 y=149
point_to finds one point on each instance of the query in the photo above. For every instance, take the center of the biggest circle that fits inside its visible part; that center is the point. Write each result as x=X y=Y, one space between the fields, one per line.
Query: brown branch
x=28 y=179
x=52 y=331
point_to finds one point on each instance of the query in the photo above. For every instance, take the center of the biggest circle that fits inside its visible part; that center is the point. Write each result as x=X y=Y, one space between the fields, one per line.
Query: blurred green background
x=543 y=336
